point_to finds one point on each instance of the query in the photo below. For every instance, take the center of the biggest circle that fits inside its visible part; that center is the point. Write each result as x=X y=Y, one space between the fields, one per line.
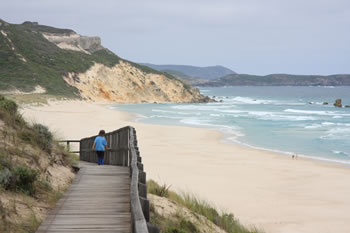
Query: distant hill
x=184 y=77
x=280 y=80
x=38 y=58
x=207 y=73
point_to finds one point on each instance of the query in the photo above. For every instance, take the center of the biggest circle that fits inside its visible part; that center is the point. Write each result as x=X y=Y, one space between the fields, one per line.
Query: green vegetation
x=280 y=80
x=225 y=221
x=26 y=154
x=45 y=64
x=166 y=225
x=24 y=178
x=38 y=135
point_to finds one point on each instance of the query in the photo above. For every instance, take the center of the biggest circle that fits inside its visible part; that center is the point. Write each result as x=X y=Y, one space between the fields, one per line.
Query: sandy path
x=271 y=191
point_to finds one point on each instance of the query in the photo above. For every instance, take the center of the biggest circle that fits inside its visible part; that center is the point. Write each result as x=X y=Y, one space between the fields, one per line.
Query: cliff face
x=64 y=63
x=75 y=42
x=124 y=83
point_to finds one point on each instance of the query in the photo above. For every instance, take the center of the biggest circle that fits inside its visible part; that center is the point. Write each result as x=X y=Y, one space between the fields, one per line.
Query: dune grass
x=222 y=219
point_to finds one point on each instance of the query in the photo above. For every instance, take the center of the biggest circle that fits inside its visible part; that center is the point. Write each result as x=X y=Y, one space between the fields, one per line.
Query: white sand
x=269 y=190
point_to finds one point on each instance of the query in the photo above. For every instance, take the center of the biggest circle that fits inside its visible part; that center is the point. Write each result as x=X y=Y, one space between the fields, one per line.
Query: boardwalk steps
x=108 y=198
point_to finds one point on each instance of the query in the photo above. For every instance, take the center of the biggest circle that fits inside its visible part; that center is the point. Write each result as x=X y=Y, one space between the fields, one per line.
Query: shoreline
x=265 y=189
x=139 y=117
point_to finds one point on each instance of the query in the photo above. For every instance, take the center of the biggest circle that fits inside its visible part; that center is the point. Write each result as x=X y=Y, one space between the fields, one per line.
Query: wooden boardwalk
x=97 y=201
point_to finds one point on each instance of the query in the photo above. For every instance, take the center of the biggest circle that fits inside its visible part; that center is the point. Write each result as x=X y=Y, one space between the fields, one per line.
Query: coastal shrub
x=25 y=178
x=38 y=135
x=43 y=137
x=8 y=105
x=9 y=113
x=172 y=225
x=6 y=178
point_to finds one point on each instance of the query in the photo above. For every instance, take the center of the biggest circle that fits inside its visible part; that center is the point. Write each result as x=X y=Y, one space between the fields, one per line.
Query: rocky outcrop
x=124 y=83
x=75 y=42
x=338 y=103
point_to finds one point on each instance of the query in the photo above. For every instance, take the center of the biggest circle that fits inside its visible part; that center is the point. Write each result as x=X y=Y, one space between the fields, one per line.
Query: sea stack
x=338 y=103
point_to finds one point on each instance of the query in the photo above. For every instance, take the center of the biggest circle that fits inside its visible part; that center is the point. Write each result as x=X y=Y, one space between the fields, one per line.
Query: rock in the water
x=325 y=103
x=207 y=99
x=338 y=103
x=347 y=106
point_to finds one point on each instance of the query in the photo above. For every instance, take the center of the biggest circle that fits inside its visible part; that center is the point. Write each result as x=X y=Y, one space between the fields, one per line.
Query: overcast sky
x=248 y=36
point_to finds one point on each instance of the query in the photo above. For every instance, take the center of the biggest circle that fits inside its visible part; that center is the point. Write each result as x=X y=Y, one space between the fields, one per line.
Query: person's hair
x=101 y=133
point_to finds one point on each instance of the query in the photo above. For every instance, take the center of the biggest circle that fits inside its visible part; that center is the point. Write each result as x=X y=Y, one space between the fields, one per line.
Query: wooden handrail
x=125 y=152
x=139 y=221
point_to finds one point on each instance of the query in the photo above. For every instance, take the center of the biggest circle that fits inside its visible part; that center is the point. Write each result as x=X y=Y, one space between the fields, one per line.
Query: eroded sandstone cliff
x=125 y=83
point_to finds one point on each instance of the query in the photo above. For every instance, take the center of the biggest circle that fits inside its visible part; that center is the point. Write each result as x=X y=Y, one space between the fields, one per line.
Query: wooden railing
x=68 y=145
x=124 y=152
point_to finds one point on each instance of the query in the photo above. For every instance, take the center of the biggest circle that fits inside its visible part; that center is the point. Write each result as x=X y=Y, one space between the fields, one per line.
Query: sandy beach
x=268 y=190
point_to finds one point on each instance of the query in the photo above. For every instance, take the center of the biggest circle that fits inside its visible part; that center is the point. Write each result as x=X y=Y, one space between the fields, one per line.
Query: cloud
x=252 y=36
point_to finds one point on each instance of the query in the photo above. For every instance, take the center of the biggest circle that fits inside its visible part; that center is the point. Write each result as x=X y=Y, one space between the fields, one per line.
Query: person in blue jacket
x=100 y=146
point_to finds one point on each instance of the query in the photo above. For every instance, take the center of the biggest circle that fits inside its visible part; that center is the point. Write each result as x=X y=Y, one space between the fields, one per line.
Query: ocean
x=291 y=120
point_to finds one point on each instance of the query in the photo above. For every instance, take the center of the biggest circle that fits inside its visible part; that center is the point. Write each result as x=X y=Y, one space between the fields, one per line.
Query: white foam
x=232 y=130
x=337 y=134
x=325 y=113
x=278 y=117
x=172 y=112
x=247 y=100
x=202 y=107
x=313 y=126
x=166 y=117
x=328 y=123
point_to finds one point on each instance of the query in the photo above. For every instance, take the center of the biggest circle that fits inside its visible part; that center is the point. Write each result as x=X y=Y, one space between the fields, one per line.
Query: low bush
x=7 y=178
x=25 y=178
x=38 y=135
x=43 y=137
x=9 y=113
x=8 y=105
x=172 y=225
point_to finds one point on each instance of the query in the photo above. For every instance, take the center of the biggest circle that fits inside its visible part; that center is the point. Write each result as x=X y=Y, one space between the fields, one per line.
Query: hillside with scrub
x=185 y=212
x=34 y=171
x=40 y=59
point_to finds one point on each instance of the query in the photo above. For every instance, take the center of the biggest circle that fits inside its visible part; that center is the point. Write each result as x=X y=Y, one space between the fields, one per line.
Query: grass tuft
x=225 y=221
x=156 y=189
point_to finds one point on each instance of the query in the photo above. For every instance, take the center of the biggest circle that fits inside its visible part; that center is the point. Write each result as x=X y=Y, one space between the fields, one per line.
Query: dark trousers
x=100 y=157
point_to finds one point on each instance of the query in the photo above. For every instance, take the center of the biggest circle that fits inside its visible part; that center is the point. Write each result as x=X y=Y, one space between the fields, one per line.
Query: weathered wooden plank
x=97 y=201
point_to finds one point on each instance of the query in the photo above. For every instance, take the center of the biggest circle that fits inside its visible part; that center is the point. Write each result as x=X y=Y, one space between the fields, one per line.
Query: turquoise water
x=285 y=119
